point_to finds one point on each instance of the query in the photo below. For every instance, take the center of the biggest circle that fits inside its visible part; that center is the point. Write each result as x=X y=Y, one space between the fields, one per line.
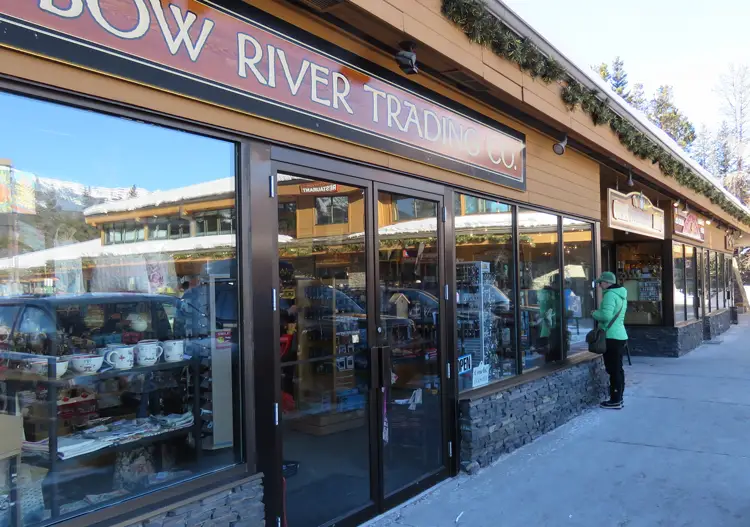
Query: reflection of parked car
x=65 y=324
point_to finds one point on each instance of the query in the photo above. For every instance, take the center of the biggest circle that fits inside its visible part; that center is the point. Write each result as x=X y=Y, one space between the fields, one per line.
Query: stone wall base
x=498 y=423
x=240 y=506
x=658 y=341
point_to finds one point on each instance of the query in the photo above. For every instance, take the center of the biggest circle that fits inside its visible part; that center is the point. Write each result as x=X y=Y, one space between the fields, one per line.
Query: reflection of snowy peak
x=73 y=196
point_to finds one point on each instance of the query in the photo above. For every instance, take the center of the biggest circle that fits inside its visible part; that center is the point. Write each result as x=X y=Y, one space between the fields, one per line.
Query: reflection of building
x=173 y=233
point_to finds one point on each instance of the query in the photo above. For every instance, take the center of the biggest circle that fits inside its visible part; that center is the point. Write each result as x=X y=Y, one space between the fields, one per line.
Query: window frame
x=395 y=210
x=684 y=282
x=123 y=229
x=247 y=467
x=696 y=304
x=332 y=209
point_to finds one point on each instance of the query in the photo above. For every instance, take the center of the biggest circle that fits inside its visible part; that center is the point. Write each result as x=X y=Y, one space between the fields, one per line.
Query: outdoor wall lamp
x=407 y=58
x=559 y=148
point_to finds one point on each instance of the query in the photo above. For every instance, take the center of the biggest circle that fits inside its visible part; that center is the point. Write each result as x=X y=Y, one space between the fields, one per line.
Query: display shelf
x=107 y=373
x=48 y=390
x=112 y=449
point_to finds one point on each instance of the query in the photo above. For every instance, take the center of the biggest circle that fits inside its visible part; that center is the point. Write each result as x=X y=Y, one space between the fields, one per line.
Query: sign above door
x=634 y=212
x=270 y=71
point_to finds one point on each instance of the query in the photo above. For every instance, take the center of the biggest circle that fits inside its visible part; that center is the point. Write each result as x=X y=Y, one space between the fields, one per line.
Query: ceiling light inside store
x=630 y=178
x=677 y=204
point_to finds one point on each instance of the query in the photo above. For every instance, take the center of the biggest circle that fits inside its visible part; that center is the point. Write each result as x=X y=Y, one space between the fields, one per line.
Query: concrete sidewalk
x=676 y=455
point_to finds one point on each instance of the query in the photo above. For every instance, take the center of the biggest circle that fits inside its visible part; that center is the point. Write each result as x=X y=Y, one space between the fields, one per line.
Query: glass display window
x=543 y=338
x=119 y=340
x=639 y=270
x=485 y=297
x=578 y=281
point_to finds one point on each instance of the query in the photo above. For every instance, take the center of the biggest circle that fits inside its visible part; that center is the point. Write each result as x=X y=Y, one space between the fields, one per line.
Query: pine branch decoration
x=484 y=28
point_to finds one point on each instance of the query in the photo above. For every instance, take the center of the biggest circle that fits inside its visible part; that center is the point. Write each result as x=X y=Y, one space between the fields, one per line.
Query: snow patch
x=216 y=187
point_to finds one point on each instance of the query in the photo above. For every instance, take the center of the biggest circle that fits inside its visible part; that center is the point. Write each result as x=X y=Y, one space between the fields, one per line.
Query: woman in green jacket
x=611 y=317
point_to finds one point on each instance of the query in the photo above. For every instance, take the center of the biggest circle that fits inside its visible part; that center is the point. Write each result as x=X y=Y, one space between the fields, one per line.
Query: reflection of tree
x=57 y=225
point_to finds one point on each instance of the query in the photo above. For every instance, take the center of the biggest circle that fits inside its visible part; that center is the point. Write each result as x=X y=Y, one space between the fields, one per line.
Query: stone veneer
x=661 y=341
x=717 y=323
x=238 y=506
x=498 y=423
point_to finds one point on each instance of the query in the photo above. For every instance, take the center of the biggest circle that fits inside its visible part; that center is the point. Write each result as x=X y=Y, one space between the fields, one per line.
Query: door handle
x=385 y=369
x=374 y=371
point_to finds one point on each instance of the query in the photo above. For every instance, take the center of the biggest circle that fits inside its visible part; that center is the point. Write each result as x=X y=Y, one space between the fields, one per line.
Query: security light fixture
x=407 y=58
x=559 y=148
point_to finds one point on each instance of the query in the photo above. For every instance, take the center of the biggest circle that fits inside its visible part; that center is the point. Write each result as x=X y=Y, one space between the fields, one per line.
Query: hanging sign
x=634 y=212
x=729 y=242
x=480 y=375
x=223 y=49
x=688 y=224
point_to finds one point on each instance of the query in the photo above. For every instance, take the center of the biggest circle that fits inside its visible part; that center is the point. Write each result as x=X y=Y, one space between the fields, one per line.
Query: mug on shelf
x=149 y=352
x=121 y=358
x=86 y=363
x=174 y=350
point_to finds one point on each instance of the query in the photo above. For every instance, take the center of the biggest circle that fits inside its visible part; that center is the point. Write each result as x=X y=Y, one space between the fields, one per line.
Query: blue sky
x=685 y=43
x=60 y=142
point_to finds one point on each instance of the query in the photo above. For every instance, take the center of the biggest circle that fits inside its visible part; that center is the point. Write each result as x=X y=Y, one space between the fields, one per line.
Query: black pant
x=613 y=365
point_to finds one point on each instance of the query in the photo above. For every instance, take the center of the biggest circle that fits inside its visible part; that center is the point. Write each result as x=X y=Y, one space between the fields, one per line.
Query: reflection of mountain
x=58 y=214
x=73 y=196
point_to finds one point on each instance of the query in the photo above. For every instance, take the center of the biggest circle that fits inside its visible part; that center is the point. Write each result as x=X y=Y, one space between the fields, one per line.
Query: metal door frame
x=445 y=357
x=371 y=180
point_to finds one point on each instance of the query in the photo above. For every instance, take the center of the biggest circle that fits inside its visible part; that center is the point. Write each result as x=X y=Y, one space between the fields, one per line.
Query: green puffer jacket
x=614 y=297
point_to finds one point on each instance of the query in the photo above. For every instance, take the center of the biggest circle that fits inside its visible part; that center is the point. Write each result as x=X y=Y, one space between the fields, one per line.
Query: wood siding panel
x=496 y=78
x=583 y=177
x=542 y=200
x=442 y=44
x=506 y=68
x=383 y=10
x=547 y=92
x=429 y=14
x=533 y=99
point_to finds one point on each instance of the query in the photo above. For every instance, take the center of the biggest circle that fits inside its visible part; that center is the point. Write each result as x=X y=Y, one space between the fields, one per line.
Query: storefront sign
x=318 y=188
x=464 y=364
x=634 y=212
x=481 y=376
x=202 y=41
x=688 y=225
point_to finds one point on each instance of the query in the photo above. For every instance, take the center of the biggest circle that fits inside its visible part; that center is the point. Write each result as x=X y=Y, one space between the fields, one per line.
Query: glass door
x=409 y=336
x=325 y=352
x=361 y=296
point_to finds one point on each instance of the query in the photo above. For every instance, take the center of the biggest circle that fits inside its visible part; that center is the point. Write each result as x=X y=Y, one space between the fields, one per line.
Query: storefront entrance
x=362 y=357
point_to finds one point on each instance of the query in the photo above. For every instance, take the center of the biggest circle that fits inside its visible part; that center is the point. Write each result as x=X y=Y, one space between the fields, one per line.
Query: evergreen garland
x=484 y=28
